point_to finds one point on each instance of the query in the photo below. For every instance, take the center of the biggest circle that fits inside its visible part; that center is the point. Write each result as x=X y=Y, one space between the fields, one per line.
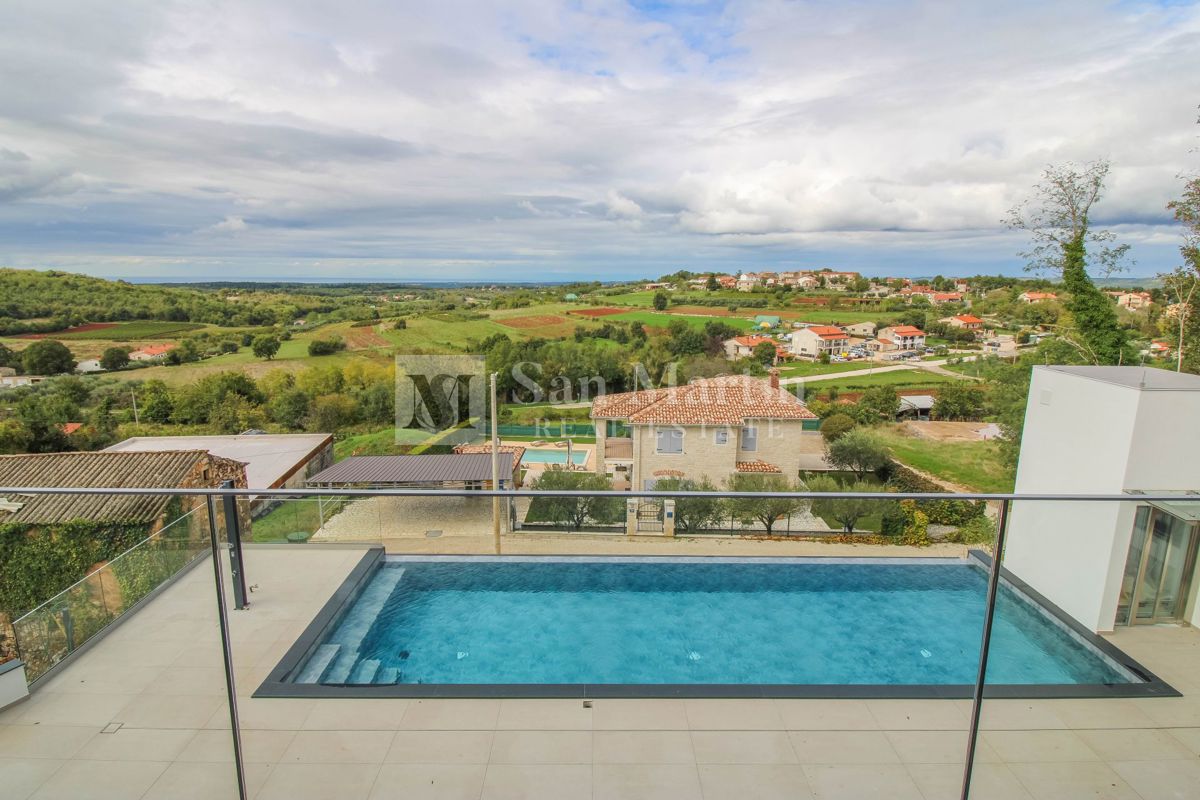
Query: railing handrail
x=104 y=566
x=1162 y=497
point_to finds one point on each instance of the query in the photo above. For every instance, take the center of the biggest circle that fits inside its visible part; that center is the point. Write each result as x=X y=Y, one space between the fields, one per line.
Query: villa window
x=749 y=438
x=670 y=440
x=721 y=436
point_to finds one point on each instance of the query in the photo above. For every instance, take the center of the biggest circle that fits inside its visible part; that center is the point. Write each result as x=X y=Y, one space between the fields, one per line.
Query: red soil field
x=598 y=312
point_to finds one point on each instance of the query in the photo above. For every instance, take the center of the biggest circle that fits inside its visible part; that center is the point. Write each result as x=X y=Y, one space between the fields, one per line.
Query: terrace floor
x=156 y=681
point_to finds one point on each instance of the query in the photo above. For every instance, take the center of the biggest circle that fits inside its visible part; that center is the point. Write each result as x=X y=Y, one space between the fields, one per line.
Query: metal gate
x=650 y=516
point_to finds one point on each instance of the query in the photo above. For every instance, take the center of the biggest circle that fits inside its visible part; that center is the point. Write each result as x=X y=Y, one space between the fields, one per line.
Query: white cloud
x=470 y=133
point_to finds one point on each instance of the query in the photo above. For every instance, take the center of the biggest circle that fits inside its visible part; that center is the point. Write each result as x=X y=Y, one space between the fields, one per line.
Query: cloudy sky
x=532 y=139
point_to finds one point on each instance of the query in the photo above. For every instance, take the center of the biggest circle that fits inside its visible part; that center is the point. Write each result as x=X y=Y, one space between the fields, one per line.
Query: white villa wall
x=1088 y=435
x=1076 y=440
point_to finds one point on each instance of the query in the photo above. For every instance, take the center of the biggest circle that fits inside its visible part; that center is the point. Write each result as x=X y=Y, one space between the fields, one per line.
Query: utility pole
x=495 y=469
x=133 y=397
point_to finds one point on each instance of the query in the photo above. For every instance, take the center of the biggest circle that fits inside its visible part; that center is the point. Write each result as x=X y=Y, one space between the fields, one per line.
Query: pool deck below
x=157 y=680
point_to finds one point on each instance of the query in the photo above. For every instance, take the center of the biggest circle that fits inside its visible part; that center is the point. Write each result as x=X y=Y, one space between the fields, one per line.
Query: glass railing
x=871 y=637
x=52 y=631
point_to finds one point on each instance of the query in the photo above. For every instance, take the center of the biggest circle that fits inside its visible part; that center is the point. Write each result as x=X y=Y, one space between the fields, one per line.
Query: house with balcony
x=743 y=346
x=966 y=322
x=819 y=340
x=900 y=337
x=1036 y=297
x=710 y=428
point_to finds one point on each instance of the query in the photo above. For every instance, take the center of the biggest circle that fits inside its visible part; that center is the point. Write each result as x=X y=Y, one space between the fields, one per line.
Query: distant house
x=1160 y=348
x=967 y=322
x=727 y=281
x=946 y=297
x=712 y=428
x=70 y=427
x=818 y=340
x=863 y=329
x=271 y=461
x=1036 y=297
x=1134 y=301
x=747 y=281
x=901 y=337
x=743 y=346
x=155 y=352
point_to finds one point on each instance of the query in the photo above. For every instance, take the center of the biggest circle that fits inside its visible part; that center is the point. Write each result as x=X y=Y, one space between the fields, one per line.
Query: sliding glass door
x=1158 y=574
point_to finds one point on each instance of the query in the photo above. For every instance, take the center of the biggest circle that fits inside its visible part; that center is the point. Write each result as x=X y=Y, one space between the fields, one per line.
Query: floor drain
x=112 y=727
x=432 y=534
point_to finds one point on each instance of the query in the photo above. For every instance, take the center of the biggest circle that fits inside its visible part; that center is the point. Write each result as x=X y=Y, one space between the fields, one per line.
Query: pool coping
x=277 y=683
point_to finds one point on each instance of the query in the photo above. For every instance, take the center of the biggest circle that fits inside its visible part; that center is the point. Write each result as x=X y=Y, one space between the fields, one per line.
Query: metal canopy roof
x=413 y=470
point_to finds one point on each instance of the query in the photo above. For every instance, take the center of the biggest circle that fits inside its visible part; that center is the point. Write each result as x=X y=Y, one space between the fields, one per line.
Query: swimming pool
x=553 y=457
x=469 y=625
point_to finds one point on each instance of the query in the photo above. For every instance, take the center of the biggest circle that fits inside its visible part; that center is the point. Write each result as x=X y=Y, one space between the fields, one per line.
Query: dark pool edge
x=277 y=683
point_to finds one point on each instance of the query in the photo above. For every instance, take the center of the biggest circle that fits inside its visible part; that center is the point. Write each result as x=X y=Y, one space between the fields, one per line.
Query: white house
x=864 y=329
x=1110 y=430
x=817 y=340
x=902 y=337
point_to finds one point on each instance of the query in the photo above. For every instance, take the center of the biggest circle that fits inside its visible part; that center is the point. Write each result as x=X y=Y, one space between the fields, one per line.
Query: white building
x=817 y=340
x=1110 y=430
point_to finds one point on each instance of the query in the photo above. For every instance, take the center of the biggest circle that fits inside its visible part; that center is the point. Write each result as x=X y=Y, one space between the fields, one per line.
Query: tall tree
x=1057 y=218
x=1184 y=283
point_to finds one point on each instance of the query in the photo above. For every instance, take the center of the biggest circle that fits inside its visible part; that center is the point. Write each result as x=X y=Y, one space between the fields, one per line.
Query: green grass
x=377 y=443
x=130 y=331
x=901 y=379
x=974 y=465
x=805 y=368
x=292 y=516
x=656 y=319
x=837 y=316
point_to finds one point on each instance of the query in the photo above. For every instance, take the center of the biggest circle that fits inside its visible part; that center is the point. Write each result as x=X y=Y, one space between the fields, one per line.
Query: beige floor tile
x=20 y=777
x=268 y=714
x=166 y=711
x=642 y=747
x=100 y=780
x=754 y=782
x=1101 y=713
x=743 y=747
x=921 y=715
x=643 y=715
x=90 y=710
x=1074 y=781
x=319 y=782
x=258 y=747
x=1036 y=746
x=937 y=747
x=136 y=744
x=198 y=781
x=733 y=715
x=338 y=747
x=544 y=715
x=1189 y=738
x=1161 y=780
x=190 y=680
x=454 y=715
x=440 y=747
x=1172 y=712
x=843 y=747
x=537 y=782
x=43 y=741
x=1024 y=715
x=645 y=782
x=429 y=782
x=988 y=782
x=542 y=747
x=1133 y=744
x=861 y=782
x=826 y=715
x=100 y=677
x=358 y=715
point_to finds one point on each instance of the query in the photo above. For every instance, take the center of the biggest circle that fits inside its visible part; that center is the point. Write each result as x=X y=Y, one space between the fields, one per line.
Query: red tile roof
x=727 y=400
x=908 y=330
x=752 y=341
x=969 y=319
x=155 y=350
x=517 y=451
x=828 y=332
x=758 y=465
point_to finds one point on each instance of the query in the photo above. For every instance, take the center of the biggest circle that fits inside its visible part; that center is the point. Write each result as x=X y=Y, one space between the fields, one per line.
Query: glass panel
x=1147 y=593
x=1133 y=563
x=1173 y=587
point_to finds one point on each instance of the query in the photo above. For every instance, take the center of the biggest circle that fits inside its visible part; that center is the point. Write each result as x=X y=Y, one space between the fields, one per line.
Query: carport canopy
x=445 y=470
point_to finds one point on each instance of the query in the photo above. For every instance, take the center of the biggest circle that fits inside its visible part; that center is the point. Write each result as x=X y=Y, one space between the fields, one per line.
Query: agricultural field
x=656 y=319
x=972 y=465
x=120 y=331
x=907 y=379
x=802 y=369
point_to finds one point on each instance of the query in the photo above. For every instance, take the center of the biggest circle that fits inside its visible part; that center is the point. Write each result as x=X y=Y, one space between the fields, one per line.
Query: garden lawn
x=900 y=379
x=973 y=465
x=795 y=369
x=656 y=319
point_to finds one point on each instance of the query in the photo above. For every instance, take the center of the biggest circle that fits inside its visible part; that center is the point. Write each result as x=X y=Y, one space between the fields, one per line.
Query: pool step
x=387 y=675
x=319 y=664
x=365 y=672
x=352 y=632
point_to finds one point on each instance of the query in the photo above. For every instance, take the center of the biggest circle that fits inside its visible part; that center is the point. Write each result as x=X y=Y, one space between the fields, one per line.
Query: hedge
x=939 y=512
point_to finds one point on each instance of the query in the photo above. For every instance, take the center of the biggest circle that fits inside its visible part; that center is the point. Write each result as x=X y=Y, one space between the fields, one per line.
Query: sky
x=592 y=139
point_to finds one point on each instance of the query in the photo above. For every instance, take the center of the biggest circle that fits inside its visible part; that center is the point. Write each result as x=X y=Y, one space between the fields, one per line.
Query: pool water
x=552 y=457
x=671 y=622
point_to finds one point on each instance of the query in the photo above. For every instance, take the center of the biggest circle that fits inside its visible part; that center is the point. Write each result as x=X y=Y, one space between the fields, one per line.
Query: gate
x=650 y=516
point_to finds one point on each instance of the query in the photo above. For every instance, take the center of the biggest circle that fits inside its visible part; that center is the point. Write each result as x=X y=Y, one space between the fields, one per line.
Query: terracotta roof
x=165 y=469
x=752 y=341
x=970 y=319
x=517 y=451
x=70 y=427
x=908 y=330
x=758 y=465
x=155 y=349
x=1041 y=295
x=727 y=400
x=828 y=332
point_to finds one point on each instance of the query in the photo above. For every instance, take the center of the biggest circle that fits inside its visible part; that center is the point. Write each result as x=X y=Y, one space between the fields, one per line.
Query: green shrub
x=939 y=512
x=835 y=425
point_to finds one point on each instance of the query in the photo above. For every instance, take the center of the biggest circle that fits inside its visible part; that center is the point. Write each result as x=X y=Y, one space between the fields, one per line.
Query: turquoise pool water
x=552 y=457
x=697 y=622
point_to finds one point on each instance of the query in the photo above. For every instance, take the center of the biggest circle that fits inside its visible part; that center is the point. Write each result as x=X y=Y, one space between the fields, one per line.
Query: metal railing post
x=226 y=651
x=984 y=646
x=233 y=534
